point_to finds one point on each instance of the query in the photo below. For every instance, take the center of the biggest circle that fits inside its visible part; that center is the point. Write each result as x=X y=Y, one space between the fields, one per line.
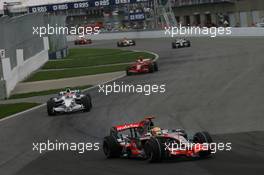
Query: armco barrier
x=236 y=32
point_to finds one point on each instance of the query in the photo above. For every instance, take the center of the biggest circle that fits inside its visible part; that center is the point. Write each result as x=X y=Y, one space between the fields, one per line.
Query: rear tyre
x=151 y=68
x=156 y=68
x=173 y=46
x=111 y=148
x=50 y=107
x=87 y=103
x=203 y=137
x=128 y=73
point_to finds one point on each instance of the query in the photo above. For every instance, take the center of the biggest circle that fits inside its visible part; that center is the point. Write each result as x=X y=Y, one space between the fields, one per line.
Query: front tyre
x=155 y=150
x=203 y=137
x=86 y=102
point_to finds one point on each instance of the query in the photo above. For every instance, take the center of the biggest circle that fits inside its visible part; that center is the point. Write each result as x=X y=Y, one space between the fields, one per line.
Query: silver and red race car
x=126 y=43
x=142 y=66
x=69 y=101
x=82 y=41
x=144 y=140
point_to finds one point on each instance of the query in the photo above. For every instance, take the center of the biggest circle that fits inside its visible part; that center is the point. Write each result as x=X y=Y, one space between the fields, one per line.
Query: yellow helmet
x=155 y=130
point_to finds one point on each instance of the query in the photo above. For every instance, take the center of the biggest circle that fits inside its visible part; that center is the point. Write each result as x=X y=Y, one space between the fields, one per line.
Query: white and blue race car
x=180 y=43
x=69 y=101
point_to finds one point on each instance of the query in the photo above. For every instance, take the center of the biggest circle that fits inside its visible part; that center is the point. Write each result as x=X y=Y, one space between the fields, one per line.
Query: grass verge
x=87 y=61
x=10 y=109
x=47 y=92
x=94 y=57
x=75 y=72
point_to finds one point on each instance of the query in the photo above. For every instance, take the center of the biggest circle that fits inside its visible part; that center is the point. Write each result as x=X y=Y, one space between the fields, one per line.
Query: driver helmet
x=140 y=59
x=155 y=131
x=68 y=90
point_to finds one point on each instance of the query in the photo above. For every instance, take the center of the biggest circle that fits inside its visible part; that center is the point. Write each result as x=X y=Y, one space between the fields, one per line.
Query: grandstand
x=125 y=15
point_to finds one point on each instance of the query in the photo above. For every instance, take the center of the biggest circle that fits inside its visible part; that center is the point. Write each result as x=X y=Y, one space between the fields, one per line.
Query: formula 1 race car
x=82 y=41
x=143 y=140
x=142 y=66
x=69 y=101
x=126 y=43
x=180 y=43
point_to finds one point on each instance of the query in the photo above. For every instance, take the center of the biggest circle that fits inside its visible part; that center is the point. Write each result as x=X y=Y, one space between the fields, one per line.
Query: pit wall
x=11 y=76
x=26 y=51
x=236 y=32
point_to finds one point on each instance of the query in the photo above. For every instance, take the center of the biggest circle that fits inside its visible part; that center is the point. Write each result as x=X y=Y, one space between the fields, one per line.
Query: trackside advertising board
x=80 y=5
x=136 y=16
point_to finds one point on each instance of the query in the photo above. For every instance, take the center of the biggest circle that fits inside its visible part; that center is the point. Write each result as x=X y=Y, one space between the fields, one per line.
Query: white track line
x=44 y=104
x=23 y=112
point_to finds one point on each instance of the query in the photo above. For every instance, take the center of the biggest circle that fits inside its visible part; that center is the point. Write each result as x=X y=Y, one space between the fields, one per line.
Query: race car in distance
x=180 y=43
x=126 y=43
x=142 y=66
x=143 y=140
x=82 y=41
x=69 y=101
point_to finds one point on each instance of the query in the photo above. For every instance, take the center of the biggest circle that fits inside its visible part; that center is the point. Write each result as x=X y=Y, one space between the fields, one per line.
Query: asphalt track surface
x=216 y=85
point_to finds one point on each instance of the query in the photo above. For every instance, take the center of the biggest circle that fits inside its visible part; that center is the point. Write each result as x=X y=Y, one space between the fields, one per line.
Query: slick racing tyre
x=151 y=68
x=156 y=68
x=86 y=102
x=50 y=107
x=111 y=148
x=173 y=46
x=203 y=137
x=155 y=150
x=128 y=73
x=133 y=43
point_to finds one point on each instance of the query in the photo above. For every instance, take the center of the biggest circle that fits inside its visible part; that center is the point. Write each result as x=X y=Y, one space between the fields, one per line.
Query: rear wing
x=128 y=126
x=140 y=124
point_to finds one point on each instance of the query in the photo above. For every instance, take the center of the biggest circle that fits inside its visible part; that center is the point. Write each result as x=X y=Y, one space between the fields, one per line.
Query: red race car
x=82 y=41
x=142 y=66
x=143 y=140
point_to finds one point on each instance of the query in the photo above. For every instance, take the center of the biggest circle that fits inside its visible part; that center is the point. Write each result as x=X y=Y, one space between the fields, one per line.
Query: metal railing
x=179 y=3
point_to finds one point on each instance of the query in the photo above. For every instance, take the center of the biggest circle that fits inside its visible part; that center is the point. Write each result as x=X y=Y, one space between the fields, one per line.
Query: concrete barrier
x=236 y=32
x=24 y=68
